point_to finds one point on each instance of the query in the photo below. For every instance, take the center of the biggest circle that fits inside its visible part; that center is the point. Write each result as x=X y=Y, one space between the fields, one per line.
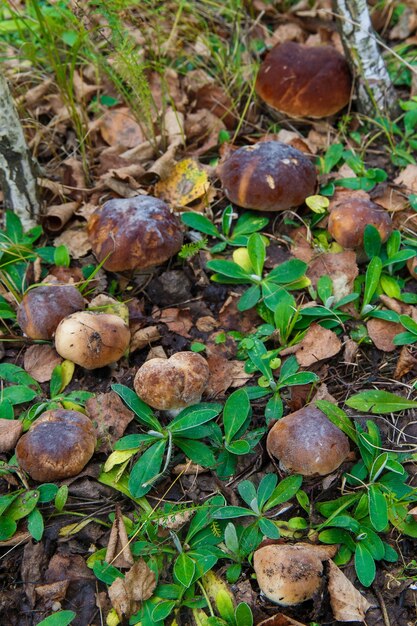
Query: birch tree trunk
x=17 y=177
x=375 y=91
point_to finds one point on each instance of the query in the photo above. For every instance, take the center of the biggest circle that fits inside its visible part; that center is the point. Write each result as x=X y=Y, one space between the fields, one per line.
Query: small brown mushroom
x=268 y=176
x=304 y=81
x=43 y=307
x=92 y=340
x=290 y=574
x=134 y=233
x=306 y=442
x=174 y=383
x=58 y=445
x=349 y=218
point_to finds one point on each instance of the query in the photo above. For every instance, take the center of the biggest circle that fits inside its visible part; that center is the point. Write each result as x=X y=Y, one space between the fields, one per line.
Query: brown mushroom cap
x=58 y=445
x=43 y=307
x=92 y=340
x=290 y=574
x=304 y=81
x=136 y=233
x=348 y=220
x=268 y=176
x=174 y=383
x=306 y=442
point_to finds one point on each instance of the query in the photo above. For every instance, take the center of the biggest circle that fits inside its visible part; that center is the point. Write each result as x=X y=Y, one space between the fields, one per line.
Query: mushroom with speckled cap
x=134 y=233
x=268 y=176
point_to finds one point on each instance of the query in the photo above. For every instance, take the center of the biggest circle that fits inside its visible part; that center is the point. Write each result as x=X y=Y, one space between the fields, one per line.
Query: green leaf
x=373 y=543
x=14 y=228
x=239 y=447
x=35 y=524
x=243 y=615
x=194 y=416
x=371 y=241
x=235 y=413
x=15 y=374
x=372 y=276
x=47 y=492
x=247 y=492
x=229 y=269
x=364 y=565
x=61 y=618
x=301 y=378
x=376 y=401
x=55 y=384
x=164 y=608
x=378 y=466
x=378 y=508
x=105 y=572
x=338 y=418
x=61 y=497
x=266 y=488
x=146 y=469
x=256 y=251
x=229 y=512
x=284 y=310
x=184 y=569
x=268 y=528
x=286 y=490
x=409 y=324
x=62 y=256
x=390 y=286
x=6 y=410
x=249 y=298
x=390 y=554
x=274 y=408
x=8 y=528
x=141 y=410
x=249 y=223
x=23 y=505
x=197 y=451
x=288 y=272
x=199 y=222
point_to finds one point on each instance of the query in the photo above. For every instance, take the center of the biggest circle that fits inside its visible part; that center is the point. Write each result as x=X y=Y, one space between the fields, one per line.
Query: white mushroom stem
x=374 y=87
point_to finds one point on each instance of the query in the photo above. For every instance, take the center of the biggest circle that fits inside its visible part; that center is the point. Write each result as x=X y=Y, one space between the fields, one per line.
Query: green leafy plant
x=365 y=179
x=185 y=432
x=239 y=542
x=410 y=334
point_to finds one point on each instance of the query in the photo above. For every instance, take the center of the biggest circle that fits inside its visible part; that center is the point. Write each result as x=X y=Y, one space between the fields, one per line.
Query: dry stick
x=382 y=606
x=17 y=178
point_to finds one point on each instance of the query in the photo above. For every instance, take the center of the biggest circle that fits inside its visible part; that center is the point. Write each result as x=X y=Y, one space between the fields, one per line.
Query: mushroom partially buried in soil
x=268 y=176
x=92 y=340
x=43 y=307
x=349 y=218
x=58 y=445
x=290 y=574
x=134 y=233
x=306 y=442
x=172 y=384
x=304 y=81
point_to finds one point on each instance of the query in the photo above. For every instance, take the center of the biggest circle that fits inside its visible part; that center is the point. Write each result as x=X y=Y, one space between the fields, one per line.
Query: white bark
x=17 y=178
x=375 y=92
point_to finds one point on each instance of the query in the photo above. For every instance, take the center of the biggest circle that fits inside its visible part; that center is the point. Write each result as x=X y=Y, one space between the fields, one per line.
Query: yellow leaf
x=72 y=406
x=117 y=457
x=73 y=529
x=187 y=182
x=318 y=204
x=241 y=257
x=112 y=618
x=67 y=372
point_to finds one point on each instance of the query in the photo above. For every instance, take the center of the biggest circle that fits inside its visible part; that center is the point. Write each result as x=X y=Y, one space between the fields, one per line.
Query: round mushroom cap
x=304 y=81
x=92 y=340
x=43 y=307
x=58 y=445
x=268 y=176
x=174 y=383
x=288 y=574
x=135 y=233
x=306 y=442
x=348 y=220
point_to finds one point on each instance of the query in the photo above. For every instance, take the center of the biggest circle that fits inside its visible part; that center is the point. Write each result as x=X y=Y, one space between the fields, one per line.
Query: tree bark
x=17 y=177
x=375 y=91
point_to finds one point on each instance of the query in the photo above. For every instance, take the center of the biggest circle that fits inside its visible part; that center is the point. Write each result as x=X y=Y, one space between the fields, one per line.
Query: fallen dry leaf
x=178 y=320
x=408 y=178
x=348 y=605
x=76 y=240
x=137 y=586
x=119 y=127
x=10 y=431
x=110 y=417
x=413 y=512
x=341 y=268
x=383 y=332
x=224 y=374
x=405 y=364
x=318 y=343
x=143 y=337
x=118 y=549
x=40 y=360
x=58 y=215
x=187 y=182
x=279 y=619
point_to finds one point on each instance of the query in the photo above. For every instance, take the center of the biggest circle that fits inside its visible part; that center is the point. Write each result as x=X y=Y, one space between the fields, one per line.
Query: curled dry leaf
x=137 y=586
x=110 y=418
x=76 y=240
x=118 y=549
x=318 y=343
x=405 y=364
x=10 y=431
x=143 y=337
x=348 y=605
x=40 y=360
x=383 y=332
x=58 y=215
x=178 y=320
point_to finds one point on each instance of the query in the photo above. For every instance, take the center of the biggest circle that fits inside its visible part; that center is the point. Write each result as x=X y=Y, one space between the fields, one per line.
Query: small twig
x=382 y=606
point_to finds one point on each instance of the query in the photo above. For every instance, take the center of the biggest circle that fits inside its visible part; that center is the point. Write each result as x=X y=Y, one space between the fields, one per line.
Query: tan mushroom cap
x=92 y=340
x=349 y=218
x=136 y=233
x=304 y=81
x=43 y=307
x=290 y=574
x=268 y=176
x=58 y=445
x=306 y=442
x=174 y=383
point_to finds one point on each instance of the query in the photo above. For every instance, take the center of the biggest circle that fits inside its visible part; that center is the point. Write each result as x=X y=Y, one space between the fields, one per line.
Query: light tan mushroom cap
x=290 y=574
x=174 y=383
x=306 y=442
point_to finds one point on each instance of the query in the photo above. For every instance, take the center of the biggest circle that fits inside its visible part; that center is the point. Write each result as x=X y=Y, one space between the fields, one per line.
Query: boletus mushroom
x=290 y=574
x=92 y=340
x=172 y=384
x=58 y=445
x=268 y=176
x=349 y=218
x=304 y=81
x=134 y=233
x=43 y=307
x=306 y=442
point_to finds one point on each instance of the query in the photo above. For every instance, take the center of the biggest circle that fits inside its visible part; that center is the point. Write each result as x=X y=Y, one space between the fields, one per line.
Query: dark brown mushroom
x=58 y=445
x=306 y=442
x=134 y=233
x=349 y=218
x=304 y=81
x=268 y=176
x=43 y=307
